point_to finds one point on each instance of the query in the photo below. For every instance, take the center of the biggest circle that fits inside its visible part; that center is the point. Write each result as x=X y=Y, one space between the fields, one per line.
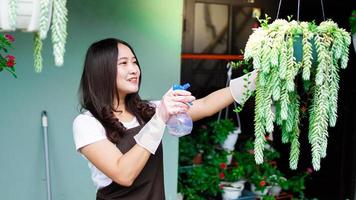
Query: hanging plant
x=36 y=16
x=273 y=49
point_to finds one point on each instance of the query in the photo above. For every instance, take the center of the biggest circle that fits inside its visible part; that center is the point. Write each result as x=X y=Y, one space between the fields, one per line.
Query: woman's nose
x=133 y=69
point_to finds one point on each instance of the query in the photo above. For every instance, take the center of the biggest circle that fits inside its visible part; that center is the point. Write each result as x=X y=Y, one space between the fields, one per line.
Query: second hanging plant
x=287 y=51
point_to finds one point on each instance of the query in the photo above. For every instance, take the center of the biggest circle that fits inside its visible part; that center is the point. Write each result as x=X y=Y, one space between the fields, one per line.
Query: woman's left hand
x=174 y=102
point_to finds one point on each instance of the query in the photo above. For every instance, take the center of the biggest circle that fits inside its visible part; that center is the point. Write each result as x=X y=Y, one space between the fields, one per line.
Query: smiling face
x=128 y=72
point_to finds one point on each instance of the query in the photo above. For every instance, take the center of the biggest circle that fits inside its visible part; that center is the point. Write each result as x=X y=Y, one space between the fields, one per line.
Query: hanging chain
x=279 y=8
x=322 y=9
x=298 y=11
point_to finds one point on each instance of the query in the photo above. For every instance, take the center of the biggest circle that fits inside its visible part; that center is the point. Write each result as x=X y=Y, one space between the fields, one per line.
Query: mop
x=45 y=126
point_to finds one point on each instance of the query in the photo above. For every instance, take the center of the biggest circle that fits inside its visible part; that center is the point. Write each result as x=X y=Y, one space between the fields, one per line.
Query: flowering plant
x=201 y=181
x=7 y=61
x=267 y=175
x=263 y=175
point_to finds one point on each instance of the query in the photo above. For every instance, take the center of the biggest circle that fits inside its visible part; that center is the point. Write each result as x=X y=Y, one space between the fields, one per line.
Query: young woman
x=119 y=133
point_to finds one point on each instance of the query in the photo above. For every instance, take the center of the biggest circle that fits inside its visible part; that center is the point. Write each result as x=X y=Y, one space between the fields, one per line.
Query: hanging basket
x=37 y=16
x=24 y=16
x=281 y=55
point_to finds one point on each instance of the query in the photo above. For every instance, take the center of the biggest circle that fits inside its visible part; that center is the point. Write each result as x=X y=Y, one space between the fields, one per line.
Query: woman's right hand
x=174 y=102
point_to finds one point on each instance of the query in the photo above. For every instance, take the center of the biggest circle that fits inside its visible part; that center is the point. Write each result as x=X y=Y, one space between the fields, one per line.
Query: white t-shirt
x=87 y=130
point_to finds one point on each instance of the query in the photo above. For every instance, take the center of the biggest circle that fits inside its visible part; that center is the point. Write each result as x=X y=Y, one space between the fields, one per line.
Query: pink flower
x=9 y=37
x=309 y=170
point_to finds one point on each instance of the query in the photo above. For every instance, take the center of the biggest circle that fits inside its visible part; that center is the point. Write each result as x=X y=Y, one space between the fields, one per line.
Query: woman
x=120 y=134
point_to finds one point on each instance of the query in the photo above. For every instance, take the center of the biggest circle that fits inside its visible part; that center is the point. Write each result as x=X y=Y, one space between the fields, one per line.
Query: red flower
x=9 y=37
x=10 y=63
x=223 y=165
x=262 y=183
x=10 y=57
x=222 y=175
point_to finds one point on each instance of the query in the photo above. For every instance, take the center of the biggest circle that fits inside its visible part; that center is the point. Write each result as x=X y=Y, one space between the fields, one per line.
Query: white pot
x=275 y=190
x=229 y=143
x=229 y=158
x=27 y=15
x=233 y=191
x=259 y=192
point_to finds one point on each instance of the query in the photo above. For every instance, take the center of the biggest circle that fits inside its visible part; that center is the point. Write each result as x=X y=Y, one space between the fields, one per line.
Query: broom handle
x=48 y=179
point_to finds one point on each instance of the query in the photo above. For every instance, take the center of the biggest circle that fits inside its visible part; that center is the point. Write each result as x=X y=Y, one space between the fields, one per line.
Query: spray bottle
x=180 y=124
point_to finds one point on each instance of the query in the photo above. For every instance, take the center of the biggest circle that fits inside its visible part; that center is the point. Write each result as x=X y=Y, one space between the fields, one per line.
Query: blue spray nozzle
x=181 y=87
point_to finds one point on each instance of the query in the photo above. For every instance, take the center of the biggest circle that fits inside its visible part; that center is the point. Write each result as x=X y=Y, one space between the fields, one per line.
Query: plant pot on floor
x=275 y=190
x=262 y=192
x=232 y=191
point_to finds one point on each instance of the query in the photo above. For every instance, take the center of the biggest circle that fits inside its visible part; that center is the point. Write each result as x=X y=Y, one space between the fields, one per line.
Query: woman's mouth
x=133 y=80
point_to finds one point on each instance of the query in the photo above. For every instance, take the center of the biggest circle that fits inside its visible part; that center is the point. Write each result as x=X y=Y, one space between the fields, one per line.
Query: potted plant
x=233 y=181
x=282 y=73
x=37 y=16
x=232 y=190
x=265 y=179
x=7 y=61
x=203 y=180
x=263 y=176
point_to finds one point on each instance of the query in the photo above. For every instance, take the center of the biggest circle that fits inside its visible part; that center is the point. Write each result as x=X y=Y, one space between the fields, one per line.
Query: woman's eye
x=122 y=63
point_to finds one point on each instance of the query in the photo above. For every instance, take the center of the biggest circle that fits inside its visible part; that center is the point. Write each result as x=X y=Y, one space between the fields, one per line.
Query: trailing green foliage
x=59 y=30
x=273 y=49
x=52 y=13
x=37 y=53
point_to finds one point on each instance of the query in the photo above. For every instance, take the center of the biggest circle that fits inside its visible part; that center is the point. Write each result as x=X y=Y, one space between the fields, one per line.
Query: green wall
x=152 y=27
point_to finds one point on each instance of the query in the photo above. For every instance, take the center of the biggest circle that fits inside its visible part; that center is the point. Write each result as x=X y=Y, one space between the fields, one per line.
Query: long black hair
x=98 y=90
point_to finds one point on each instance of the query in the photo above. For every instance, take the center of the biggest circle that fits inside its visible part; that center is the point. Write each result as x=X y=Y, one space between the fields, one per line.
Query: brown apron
x=149 y=183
